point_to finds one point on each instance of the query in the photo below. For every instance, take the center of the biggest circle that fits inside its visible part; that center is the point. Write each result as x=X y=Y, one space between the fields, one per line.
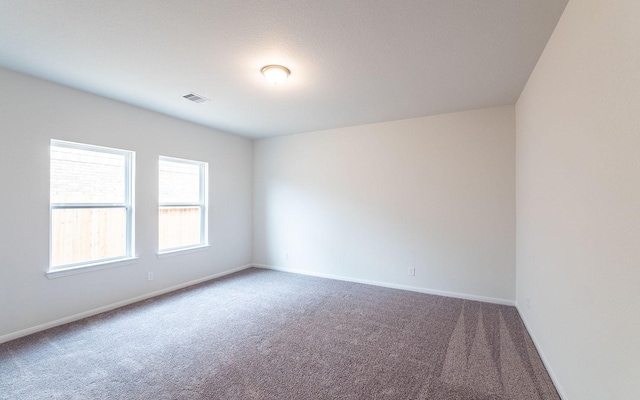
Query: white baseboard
x=545 y=361
x=464 y=296
x=85 y=314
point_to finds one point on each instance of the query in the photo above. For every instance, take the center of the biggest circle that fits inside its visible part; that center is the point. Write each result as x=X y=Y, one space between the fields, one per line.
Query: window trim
x=127 y=205
x=79 y=269
x=203 y=204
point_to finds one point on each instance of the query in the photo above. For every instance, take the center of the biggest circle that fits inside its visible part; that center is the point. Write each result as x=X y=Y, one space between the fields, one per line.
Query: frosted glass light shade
x=275 y=74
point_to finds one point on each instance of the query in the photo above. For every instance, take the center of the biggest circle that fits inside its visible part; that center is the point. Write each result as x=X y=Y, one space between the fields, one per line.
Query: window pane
x=84 y=176
x=179 y=227
x=87 y=234
x=179 y=182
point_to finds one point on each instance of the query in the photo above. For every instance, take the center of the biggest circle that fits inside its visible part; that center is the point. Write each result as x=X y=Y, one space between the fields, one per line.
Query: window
x=182 y=213
x=91 y=201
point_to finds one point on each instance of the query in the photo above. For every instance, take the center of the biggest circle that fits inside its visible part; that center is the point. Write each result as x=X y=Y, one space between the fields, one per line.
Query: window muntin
x=182 y=196
x=91 y=204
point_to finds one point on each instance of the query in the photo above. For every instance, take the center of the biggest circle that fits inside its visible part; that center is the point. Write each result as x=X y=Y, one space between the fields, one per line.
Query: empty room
x=369 y=199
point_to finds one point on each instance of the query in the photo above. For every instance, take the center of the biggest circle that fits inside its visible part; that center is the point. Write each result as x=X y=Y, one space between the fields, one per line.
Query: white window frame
x=203 y=204
x=128 y=205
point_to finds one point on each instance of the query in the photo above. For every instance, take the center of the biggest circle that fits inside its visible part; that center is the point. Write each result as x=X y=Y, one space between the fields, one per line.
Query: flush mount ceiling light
x=275 y=74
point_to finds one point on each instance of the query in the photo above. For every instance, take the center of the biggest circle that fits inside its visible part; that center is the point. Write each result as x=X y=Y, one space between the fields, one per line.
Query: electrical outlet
x=412 y=271
x=149 y=276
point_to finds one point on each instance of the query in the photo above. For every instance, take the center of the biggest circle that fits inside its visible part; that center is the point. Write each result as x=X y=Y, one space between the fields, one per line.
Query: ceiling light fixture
x=275 y=74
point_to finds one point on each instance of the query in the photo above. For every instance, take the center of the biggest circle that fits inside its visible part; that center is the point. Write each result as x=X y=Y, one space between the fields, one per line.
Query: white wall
x=578 y=200
x=32 y=112
x=367 y=202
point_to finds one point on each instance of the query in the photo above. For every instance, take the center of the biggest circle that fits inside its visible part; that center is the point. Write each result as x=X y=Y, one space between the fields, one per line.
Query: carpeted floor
x=262 y=334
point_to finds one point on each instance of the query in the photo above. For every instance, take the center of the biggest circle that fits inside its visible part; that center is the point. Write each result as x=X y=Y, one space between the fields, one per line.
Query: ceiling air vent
x=195 y=98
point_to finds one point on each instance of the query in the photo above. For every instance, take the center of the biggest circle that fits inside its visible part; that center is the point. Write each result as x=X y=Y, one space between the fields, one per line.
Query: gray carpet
x=263 y=334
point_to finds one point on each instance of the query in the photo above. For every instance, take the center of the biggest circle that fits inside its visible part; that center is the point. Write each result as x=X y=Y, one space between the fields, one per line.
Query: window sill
x=80 y=269
x=186 y=250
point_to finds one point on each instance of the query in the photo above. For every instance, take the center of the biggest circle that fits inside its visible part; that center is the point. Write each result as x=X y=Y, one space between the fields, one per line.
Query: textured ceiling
x=352 y=62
